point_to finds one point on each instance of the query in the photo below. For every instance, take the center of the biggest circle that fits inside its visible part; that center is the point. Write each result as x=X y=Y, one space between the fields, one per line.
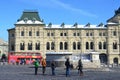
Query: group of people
x=53 y=66
x=36 y=64
x=79 y=67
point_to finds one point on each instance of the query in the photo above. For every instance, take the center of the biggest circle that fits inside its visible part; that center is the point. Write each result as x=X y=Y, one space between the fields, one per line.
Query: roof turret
x=30 y=17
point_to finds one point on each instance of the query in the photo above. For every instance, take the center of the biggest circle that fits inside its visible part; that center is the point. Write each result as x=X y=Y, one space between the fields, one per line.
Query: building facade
x=3 y=47
x=31 y=34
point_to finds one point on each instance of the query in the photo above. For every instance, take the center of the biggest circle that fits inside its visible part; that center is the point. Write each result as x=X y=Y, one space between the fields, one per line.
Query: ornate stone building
x=31 y=34
x=3 y=47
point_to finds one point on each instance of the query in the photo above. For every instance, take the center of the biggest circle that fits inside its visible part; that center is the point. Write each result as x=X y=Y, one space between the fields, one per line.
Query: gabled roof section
x=29 y=17
x=115 y=18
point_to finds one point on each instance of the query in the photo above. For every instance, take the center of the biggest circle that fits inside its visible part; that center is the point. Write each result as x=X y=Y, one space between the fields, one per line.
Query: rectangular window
x=114 y=33
x=52 y=34
x=91 y=34
x=61 y=34
x=74 y=34
x=48 y=34
x=104 y=34
x=87 y=34
x=100 y=34
x=12 y=47
x=22 y=33
x=12 y=35
x=37 y=33
x=30 y=33
x=78 y=34
x=65 y=34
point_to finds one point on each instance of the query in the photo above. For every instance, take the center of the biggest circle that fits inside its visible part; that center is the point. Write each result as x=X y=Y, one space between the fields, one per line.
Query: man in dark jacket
x=53 y=67
x=67 y=64
x=80 y=67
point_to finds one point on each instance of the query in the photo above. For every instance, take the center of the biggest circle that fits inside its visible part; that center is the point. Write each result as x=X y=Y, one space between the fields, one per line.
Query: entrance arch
x=115 y=60
x=103 y=58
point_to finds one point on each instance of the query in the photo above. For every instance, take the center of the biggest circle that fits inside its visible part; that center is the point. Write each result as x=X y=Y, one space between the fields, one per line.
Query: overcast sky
x=57 y=11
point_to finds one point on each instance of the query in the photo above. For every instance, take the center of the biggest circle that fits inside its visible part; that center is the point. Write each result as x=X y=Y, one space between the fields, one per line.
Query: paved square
x=26 y=72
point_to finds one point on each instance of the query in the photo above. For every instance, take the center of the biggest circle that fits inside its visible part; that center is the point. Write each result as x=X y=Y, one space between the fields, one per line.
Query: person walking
x=43 y=66
x=36 y=65
x=53 y=67
x=80 y=67
x=67 y=64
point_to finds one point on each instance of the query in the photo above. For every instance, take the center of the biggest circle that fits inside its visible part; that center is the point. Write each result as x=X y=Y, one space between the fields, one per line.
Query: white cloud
x=58 y=3
x=69 y=7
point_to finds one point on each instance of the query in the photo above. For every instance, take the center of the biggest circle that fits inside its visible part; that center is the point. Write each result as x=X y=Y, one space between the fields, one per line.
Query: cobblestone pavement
x=26 y=72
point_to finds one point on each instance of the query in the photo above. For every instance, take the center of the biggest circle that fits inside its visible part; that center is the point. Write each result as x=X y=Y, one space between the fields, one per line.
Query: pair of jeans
x=36 y=70
x=67 y=71
x=53 y=71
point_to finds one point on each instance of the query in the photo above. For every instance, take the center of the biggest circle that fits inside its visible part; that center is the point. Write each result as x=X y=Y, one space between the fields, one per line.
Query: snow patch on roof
x=29 y=22
x=71 y=26
x=111 y=23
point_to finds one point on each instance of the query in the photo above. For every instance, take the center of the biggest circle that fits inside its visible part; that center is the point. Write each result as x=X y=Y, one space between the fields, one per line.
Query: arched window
x=100 y=45
x=48 y=46
x=87 y=45
x=74 y=46
x=52 y=46
x=29 y=46
x=66 y=45
x=22 y=46
x=78 y=45
x=104 y=45
x=91 y=45
x=115 y=60
x=61 y=46
x=37 y=46
x=115 y=45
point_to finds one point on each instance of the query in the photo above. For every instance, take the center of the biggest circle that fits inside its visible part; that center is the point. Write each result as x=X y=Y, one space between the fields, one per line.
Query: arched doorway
x=115 y=61
x=103 y=58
